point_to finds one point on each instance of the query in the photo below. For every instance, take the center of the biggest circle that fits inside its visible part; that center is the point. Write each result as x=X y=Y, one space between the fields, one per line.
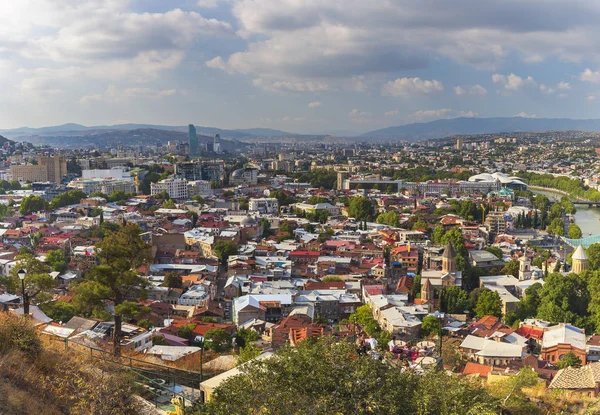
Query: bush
x=18 y=333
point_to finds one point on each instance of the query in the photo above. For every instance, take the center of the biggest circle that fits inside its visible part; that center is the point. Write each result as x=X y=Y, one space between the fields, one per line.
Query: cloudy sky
x=297 y=65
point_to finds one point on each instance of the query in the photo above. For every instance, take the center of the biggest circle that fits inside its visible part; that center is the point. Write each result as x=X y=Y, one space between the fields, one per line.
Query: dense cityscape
x=192 y=266
x=283 y=207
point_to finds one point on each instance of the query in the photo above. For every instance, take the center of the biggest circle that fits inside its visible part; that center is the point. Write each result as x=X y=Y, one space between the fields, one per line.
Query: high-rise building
x=217 y=144
x=56 y=167
x=193 y=141
x=459 y=143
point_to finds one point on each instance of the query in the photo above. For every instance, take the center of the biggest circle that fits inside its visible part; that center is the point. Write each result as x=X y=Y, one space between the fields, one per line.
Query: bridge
x=585 y=242
x=589 y=203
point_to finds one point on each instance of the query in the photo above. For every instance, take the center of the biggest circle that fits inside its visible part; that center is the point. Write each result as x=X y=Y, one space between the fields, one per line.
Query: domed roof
x=580 y=254
x=237 y=173
x=248 y=221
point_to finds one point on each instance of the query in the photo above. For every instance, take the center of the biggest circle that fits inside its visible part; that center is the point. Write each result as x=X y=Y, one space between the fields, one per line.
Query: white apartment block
x=264 y=205
x=175 y=188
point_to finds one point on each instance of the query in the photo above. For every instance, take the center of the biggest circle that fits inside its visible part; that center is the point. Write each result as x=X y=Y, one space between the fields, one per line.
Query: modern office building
x=193 y=142
x=209 y=171
x=217 y=144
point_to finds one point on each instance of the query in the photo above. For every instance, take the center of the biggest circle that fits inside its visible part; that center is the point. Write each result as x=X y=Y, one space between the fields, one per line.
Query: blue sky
x=331 y=66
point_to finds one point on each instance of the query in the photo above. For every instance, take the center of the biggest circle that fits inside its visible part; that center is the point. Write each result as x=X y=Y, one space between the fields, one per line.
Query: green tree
x=574 y=231
x=569 y=360
x=31 y=204
x=488 y=303
x=218 y=340
x=224 y=249
x=247 y=353
x=416 y=288
x=593 y=253
x=331 y=278
x=334 y=380
x=38 y=282
x=431 y=325
x=389 y=218
x=56 y=260
x=59 y=311
x=495 y=250
x=116 y=278
x=420 y=224
x=454 y=300
x=438 y=234
x=245 y=336
x=361 y=208
x=187 y=331
x=511 y=268
x=173 y=280
x=565 y=299
x=168 y=204
x=556 y=227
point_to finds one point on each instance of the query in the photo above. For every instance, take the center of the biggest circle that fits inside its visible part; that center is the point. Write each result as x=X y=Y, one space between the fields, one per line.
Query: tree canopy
x=488 y=303
x=116 y=278
x=324 y=376
x=361 y=208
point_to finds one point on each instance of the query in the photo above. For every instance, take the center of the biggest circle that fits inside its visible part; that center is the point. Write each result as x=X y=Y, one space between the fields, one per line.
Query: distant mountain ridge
x=470 y=126
x=71 y=129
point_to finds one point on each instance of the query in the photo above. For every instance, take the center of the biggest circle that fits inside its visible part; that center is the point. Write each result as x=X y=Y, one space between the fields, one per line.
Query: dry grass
x=45 y=380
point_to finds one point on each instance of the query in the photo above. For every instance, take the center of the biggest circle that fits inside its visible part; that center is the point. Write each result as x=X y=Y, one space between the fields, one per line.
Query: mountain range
x=72 y=129
x=469 y=126
x=76 y=135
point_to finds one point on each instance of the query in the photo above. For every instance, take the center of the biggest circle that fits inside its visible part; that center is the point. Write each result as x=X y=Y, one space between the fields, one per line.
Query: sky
x=308 y=66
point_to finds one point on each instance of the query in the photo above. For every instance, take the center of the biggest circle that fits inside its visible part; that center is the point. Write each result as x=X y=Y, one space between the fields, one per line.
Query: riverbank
x=588 y=218
x=551 y=190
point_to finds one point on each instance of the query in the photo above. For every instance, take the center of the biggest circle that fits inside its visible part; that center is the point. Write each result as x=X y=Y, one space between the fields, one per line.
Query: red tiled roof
x=531 y=332
x=472 y=368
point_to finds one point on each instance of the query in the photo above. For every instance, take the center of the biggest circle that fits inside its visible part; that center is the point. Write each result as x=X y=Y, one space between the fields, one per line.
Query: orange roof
x=472 y=368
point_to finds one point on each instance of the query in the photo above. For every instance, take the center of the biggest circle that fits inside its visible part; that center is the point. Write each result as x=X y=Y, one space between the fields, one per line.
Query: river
x=587 y=218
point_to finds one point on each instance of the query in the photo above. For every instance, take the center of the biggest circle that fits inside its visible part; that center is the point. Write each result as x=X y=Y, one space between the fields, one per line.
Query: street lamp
x=21 y=273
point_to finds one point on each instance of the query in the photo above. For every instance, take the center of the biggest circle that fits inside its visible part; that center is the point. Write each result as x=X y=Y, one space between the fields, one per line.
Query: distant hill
x=112 y=138
x=467 y=126
x=77 y=129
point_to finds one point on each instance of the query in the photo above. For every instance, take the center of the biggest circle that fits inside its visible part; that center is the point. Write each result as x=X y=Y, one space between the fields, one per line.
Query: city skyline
x=326 y=67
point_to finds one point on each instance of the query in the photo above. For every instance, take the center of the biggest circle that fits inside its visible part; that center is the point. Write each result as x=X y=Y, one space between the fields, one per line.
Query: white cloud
x=423 y=115
x=210 y=4
x=341 y=39
x=69 y=43
x=391 y=113
x=475 y=90
x=359 y=117
x=405 y=87
x=443 y=113
x=513 y=82
x=314 y=104
x=591 y=98
x=561 y=86
x=546 y=89
x=523 y=114
x=291 y=86
x=289 y=118
x=590 y=76
x=113 y=94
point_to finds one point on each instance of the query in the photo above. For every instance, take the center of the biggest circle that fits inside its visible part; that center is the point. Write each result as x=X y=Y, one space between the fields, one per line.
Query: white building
x=247 y=176
x=199 y=187
x=115 y=173
x=268 y=205
x=175 y=188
